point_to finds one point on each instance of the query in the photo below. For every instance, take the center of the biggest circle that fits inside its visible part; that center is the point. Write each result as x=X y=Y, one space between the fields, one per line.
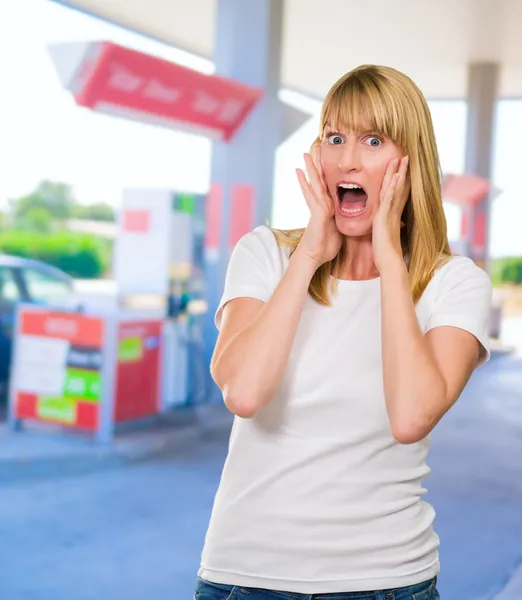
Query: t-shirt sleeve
x=252 y=269
x=463 y=300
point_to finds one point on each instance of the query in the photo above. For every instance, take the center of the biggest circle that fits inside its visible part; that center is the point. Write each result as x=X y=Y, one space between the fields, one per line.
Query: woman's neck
x=358 y=260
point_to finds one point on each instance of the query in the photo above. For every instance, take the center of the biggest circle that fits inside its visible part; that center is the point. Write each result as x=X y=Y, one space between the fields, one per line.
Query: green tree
x=58 y=198
x=53 y=197
x=80 y=255
x=512 y=271
x=99 y=211
x=507 y=270
x=38 y=218
x=4 y=221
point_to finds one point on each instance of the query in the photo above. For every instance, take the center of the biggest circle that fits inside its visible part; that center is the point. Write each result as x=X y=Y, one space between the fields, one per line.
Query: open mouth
x=352 y=199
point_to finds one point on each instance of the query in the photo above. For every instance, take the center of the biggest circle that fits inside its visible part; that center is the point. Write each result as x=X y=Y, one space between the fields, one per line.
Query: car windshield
x=44 y=287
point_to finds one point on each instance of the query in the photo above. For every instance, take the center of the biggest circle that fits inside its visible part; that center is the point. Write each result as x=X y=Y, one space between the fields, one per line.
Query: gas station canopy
x=432 y=42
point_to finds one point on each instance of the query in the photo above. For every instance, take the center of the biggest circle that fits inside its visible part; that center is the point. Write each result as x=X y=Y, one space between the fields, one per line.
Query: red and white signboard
x=465 y=190
x=109 y=78
x=58 y=368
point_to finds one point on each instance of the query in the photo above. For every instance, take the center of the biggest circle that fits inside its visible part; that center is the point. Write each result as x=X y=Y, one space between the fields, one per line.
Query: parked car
x=26 y=280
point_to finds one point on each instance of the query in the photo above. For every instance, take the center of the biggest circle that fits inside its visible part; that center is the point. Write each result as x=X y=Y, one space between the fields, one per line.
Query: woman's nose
x=349 y=158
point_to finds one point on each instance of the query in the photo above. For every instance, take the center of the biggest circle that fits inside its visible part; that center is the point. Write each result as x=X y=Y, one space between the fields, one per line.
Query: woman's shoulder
x=260 y=238
x=264 y=243
x=263 y=233
x=279 y=237
x=457 y=266
x=458 y=272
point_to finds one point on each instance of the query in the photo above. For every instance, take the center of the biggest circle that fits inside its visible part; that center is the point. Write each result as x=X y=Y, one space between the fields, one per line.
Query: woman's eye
x=373 y=141
x=335 y=139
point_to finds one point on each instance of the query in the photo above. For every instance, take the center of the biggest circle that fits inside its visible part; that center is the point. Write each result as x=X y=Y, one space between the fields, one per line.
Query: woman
x=341 y=346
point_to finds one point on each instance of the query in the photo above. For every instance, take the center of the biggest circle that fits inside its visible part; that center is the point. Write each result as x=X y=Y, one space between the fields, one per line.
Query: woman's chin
x=354 y=227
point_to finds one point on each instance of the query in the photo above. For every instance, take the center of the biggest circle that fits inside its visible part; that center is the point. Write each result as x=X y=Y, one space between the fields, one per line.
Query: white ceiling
x=431 y=40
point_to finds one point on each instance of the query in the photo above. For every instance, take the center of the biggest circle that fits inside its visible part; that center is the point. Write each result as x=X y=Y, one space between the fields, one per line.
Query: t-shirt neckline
x=357 y=282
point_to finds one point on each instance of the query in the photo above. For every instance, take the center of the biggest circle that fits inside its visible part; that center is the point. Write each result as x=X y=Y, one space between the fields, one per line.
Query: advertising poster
x=57 y=368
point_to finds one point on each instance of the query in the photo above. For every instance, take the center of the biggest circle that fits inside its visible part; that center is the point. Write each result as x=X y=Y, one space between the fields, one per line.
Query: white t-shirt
x=316 y=496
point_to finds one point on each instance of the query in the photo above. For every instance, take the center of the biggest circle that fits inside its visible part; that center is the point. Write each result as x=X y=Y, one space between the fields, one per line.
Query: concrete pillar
x=483 y=80
x=248 y=49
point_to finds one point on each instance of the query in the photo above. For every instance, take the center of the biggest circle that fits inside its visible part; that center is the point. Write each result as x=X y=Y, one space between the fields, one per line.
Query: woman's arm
x=249 y=359
x=423 y=375
x=255 y=340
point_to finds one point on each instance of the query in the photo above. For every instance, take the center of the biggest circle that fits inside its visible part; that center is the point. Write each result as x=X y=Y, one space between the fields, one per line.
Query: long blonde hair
x=389 y=103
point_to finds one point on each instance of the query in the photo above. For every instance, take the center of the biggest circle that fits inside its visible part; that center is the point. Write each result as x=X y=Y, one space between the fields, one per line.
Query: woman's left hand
x=386 y=233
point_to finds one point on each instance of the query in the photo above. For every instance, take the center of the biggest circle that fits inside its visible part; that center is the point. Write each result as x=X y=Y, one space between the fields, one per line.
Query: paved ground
x=476 y=484
x=135 y=532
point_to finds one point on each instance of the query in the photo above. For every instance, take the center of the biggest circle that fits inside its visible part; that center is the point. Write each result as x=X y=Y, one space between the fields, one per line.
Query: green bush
x=78 y=254
x=507 y=270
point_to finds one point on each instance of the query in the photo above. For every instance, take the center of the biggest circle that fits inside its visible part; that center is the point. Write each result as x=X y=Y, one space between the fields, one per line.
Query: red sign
x=124 y=82
x=138 y=370
x=213 y=217
x=479 y=237
x=241 y=213
x=136 y=221
x=465 y=190
x=76 y=329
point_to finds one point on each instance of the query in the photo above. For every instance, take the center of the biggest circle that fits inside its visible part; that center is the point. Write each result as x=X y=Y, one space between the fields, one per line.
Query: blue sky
x=44 y=135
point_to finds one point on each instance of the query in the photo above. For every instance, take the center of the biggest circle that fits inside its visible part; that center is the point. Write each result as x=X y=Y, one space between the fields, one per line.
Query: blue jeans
x=205 y=590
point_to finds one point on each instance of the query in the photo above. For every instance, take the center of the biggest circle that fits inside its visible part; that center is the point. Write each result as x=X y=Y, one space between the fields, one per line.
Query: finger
x=403 y=170
x=318 y=164
x=315 y=181
x=394 y=192
x=407 y=179
x=309 y=197
x=401 y=192
x=324 y=195
x=391 y=169
x=318 y=160
x=391 y=189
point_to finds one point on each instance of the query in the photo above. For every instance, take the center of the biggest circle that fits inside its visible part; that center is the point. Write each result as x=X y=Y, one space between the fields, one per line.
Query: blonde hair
x=389 y=103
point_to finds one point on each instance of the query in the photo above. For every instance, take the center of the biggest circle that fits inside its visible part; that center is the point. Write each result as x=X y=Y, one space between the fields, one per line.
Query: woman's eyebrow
x=371 y=132
x=360 y=132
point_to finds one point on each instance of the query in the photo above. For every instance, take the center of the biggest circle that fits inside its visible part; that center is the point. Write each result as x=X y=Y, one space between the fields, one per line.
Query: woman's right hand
x=321 y=240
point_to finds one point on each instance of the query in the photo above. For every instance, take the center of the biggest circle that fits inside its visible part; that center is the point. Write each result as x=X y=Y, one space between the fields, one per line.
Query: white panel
x=39 y=379
x=141 y=258
x=46 y=351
